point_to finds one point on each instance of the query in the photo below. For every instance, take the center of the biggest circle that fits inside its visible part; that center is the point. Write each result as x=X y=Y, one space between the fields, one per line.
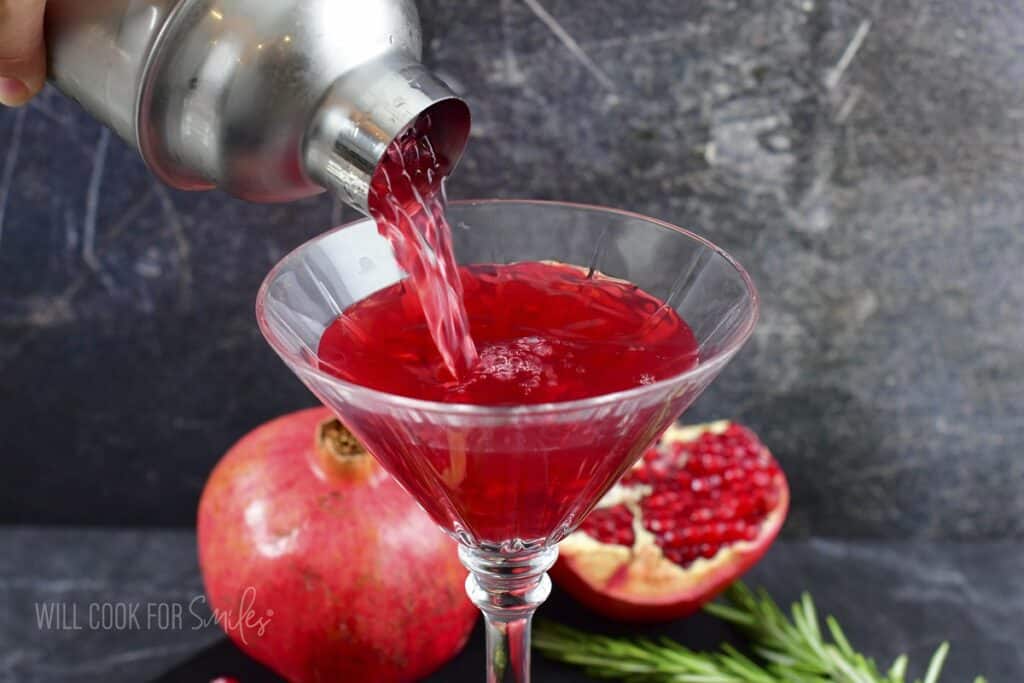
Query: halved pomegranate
x=695 y=513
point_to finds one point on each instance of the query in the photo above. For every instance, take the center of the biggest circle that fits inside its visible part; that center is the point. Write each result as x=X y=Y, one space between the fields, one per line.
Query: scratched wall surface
x=864 y=159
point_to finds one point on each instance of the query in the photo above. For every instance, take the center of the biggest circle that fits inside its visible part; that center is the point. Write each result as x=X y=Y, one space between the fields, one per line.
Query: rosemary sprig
x=791 y=649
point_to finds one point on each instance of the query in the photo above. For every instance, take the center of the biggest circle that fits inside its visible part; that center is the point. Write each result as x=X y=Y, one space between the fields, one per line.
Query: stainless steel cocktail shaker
x=270 y=100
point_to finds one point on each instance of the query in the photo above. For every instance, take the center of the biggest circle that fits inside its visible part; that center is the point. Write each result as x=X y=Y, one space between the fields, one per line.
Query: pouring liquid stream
x=408 y=202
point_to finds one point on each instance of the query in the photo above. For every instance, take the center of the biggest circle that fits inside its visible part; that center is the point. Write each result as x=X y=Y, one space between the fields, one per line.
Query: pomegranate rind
x=639 y=583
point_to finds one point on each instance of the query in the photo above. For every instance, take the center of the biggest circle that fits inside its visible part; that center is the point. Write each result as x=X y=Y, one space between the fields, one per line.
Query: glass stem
x=508 y=588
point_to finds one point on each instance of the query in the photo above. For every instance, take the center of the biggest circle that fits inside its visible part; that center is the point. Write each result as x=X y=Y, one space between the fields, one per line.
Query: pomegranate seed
x=702 y=515
x=677 y=556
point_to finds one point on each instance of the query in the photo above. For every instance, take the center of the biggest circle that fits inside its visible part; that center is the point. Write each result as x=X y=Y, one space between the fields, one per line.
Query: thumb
x=22 y=55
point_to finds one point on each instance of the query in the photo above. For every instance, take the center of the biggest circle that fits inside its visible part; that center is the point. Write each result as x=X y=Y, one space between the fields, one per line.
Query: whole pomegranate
x=317 y=564
x=695 y=513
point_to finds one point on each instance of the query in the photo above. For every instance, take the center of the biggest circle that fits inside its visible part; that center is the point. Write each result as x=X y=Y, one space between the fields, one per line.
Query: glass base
x=508 y=589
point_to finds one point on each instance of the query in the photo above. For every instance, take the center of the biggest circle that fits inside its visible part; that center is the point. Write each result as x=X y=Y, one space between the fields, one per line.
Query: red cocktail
x=506 y=371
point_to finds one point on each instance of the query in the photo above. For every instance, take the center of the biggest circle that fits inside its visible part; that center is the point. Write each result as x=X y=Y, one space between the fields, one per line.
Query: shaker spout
x=365 y=110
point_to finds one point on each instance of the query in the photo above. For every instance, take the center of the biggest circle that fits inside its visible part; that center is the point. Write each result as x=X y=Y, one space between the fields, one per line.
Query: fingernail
x=13 y=92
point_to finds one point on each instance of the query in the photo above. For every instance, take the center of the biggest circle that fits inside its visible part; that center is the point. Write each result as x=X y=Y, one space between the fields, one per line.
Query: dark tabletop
x=890 y=597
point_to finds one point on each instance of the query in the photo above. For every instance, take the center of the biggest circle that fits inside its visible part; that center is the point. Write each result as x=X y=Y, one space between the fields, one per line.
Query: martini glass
x=509 y=482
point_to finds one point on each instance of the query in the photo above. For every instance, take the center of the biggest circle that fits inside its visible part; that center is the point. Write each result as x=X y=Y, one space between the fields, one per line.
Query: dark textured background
x=864 y=159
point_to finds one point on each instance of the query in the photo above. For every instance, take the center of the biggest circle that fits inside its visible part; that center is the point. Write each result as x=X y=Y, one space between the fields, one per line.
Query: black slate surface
x=862 y=158
x=890 y=597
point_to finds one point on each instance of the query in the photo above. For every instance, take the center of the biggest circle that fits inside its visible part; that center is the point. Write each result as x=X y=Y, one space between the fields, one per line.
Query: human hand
x=22 y=54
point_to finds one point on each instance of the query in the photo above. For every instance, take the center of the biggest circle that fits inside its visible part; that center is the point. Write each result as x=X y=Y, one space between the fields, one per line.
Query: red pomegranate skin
x=327 y=570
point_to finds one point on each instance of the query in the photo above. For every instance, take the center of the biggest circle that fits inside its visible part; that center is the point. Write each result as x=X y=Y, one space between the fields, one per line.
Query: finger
x=22 y=55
